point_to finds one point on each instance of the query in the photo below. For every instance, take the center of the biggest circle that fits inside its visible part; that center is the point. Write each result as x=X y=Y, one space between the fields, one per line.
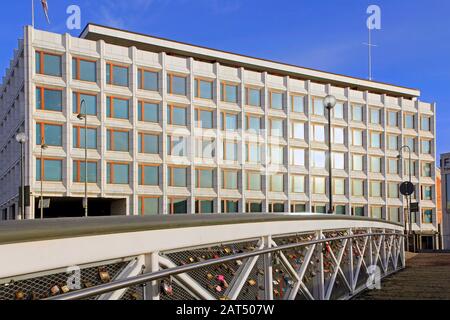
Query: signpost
x=407 y=189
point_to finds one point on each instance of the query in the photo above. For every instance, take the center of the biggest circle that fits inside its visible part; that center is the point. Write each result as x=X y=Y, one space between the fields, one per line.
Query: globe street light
x=83 y=116
x=22 y=138
x=329 y=102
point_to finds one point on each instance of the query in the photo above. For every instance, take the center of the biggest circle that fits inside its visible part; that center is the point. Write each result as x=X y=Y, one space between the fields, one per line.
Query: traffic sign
x=407 y=188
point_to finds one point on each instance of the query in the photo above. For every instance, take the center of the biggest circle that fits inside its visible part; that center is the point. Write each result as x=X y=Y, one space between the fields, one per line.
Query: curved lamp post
x=83 y=116
x=22 y=138
x=408 y=198
x=43 y=147
x=329 y=102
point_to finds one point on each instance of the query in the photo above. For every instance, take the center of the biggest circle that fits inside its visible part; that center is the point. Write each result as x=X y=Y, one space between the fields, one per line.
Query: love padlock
x=54 y=290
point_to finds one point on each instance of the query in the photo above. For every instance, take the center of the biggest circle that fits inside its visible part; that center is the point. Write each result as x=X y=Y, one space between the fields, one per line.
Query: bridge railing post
x=268 y=269
x=151 y=263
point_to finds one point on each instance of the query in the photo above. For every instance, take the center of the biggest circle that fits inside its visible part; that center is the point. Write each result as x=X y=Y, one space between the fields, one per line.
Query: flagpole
x=370 y=55
x=32 y=13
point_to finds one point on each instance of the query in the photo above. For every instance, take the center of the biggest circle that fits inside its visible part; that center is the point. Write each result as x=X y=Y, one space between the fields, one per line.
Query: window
x=409 y=121
x=148 y=175
x=297 y=184
x=253 y=153
x=229 y=121
x=375 y=140
x=79 y=137
x=357 y=138
x=276 y=127
x=319 y=133
x=148 y=205
x=48 y=64
x=357 y=162
x=253 y=124
x=338 y=111
x=229 y=92
x=375 y=189
x=276 y=207
x=375 y=164
x=148 y=143
x=177 y=206
x=203 y=119
x=318 y=159
x=116 y=75
x=204 y=206
x=427 y=216
x=298 y=208
x=376 y=212
x=148 y=80
x=177 y=146
x=427 y=193
x=276 y=100
x=117 y=108
x=375 y=116
x=357 y=113
x=357 y=188
x=276 y=182
x=85 y=70
x=298 y=103
x=203 y=89
x=176 y=115
x=426 y=169
x=297 y=157
x=205 y=148
x=393 y=119
x=276 y=154
x=426 y=146
x=318 y=208
x=318 y=107
x=177 y=176
x=48 y=99
x=253 y=97
x=358 y=211
x=204 y=178
x=117 y=140
x=253 y=181
x=411 y=143
x=148 y=112
x=393 y=191
x=176 y=85
x=79 y=171
x=229 y=179
x=318 y=185
x=89 y=106
x=425 y=123
x=117 y=173
x=230 y=206
x=253 y=207
x=230 y=151
x=394 y=214
x=340 y=210
x=406 y=167
x=338 y=135
x=338 y=160
x=392 y=166
x=50 y=171
x=50 y=134
x=392 y=142
x=298 y=130
x=339 y=186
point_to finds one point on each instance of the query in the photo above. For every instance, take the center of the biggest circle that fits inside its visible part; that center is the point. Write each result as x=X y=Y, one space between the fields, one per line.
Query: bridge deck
x=426 y=277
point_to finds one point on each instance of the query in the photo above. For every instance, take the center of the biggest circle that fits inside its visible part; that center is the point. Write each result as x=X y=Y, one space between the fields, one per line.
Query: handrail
x=144 y=278
x=49 y=229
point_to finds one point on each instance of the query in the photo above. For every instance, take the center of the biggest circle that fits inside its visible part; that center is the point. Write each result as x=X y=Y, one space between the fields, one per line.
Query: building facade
x=177 y=128
x=445 y=196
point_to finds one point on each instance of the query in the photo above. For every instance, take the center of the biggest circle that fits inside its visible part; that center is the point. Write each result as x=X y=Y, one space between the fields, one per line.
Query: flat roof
x=145 y=42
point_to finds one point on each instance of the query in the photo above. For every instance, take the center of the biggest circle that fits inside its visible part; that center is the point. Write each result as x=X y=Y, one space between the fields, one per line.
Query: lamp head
x=81 y=116
x=21 y=137
x=44 y=146
x=329 y=102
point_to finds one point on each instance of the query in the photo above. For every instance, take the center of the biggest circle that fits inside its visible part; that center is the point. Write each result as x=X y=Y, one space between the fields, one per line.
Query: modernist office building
x=445 y=196
x=178 y=128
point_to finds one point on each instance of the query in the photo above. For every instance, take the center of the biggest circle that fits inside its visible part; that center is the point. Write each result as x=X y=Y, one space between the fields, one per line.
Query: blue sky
x=413 y=44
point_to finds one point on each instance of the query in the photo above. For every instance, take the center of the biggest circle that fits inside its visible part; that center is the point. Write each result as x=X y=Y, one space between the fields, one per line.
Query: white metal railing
x=280 y=257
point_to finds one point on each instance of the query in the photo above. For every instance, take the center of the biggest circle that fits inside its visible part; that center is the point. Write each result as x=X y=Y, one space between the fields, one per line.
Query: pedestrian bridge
x=208 y=257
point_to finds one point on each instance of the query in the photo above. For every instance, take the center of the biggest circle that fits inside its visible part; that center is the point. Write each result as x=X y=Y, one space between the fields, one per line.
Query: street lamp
x=408 y=198
x=22 y=138
x=43 y=147
x=83 y=116
x=329 y=102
